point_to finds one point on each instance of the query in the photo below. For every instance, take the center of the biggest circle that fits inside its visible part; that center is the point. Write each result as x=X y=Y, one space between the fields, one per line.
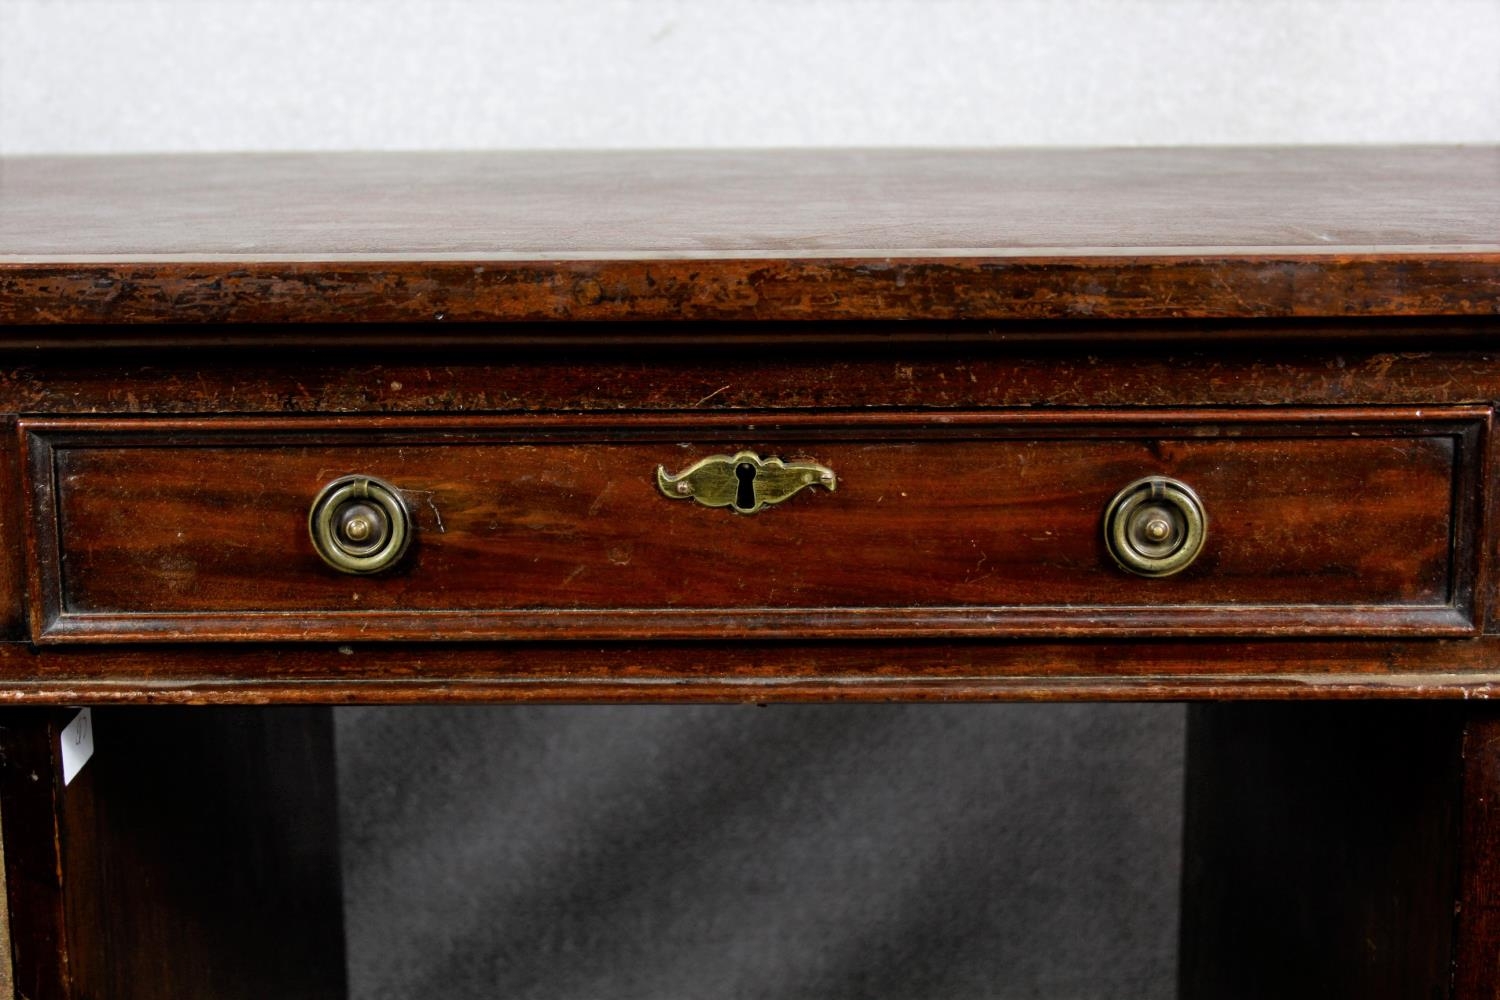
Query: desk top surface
x=751 y=235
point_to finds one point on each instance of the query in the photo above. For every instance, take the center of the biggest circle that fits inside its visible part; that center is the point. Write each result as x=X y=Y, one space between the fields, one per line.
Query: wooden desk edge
x=1205 y=285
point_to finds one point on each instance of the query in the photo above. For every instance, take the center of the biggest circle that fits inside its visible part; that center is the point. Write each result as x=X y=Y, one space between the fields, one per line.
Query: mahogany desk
x=1129 y=424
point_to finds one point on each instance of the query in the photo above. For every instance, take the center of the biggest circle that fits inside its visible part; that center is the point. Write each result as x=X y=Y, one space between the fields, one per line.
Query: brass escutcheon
x=743 y=482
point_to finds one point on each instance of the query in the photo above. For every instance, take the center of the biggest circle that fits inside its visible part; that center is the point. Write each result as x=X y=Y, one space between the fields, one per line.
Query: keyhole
x=745 y=498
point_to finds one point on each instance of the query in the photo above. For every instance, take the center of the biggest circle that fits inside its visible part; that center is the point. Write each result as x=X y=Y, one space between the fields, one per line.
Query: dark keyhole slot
x=745 y=498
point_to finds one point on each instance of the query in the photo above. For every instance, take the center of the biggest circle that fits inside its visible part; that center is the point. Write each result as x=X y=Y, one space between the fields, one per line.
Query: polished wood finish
x=1476 y=974
x=772 y=235
x=1341 y=850
x=1261 y=370
x=1321 y=853
x=30 y=809
x=974 y=525
x=190 y=347
x=196 y=855
x=753 y=672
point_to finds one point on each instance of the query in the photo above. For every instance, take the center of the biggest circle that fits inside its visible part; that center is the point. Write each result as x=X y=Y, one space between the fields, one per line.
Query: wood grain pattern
x=751 y=672
x=742 y=285
x=31 y=801
x=202 y=860
x=1416 y=364
x=191 y=346
x=775 y=203
x=7 y=973
x=1321 y=849
x=1322 y=522
x=195 y=855
x=775 y=235
x=1197 y=286
x=1356 y=844
x=1476 y=972
x=374 y=370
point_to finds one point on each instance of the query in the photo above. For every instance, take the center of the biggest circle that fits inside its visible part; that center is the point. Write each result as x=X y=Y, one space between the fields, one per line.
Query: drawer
x=934 y=524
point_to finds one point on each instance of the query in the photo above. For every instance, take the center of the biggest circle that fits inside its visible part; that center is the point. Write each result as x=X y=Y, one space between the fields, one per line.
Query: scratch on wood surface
x=426 y=496
x=711 y=395
x=599 y=500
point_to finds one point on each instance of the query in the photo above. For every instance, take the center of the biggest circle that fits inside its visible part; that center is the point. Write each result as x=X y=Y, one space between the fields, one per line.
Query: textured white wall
x=111 y=75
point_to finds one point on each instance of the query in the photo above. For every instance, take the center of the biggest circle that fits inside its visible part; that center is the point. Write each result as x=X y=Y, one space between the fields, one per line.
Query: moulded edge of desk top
x=758 y=236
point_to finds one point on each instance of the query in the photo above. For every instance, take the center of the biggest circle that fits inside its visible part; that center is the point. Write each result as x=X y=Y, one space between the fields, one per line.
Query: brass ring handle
x=1155 y=527
x=359 y=525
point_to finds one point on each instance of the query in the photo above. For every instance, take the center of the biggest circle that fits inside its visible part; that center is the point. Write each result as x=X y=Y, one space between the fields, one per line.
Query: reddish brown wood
x=1342 y=850
x=918 y=341
x=1476 y=972
x=30 y=804
x=1415 y=367
x=195 y=855
x=361 y=369
x=1321 y=522
x=751 y=236
x=1321 y=850
x=754 y=672
x=13 y=624
x=194 y=345
x=912 y=246
x=960 y=288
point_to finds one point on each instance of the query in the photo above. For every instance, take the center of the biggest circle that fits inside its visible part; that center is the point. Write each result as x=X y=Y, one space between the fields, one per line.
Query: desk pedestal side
x=195 y=855
x=1331 y=849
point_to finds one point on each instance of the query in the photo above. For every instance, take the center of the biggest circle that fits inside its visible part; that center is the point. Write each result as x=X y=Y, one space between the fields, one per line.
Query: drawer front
x=1318 y=522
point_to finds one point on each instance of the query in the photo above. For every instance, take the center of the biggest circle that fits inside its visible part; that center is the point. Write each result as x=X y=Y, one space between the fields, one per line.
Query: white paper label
x=77 y=744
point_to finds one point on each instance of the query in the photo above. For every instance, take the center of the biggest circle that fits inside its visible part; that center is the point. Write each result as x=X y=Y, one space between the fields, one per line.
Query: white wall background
x=139 y=75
